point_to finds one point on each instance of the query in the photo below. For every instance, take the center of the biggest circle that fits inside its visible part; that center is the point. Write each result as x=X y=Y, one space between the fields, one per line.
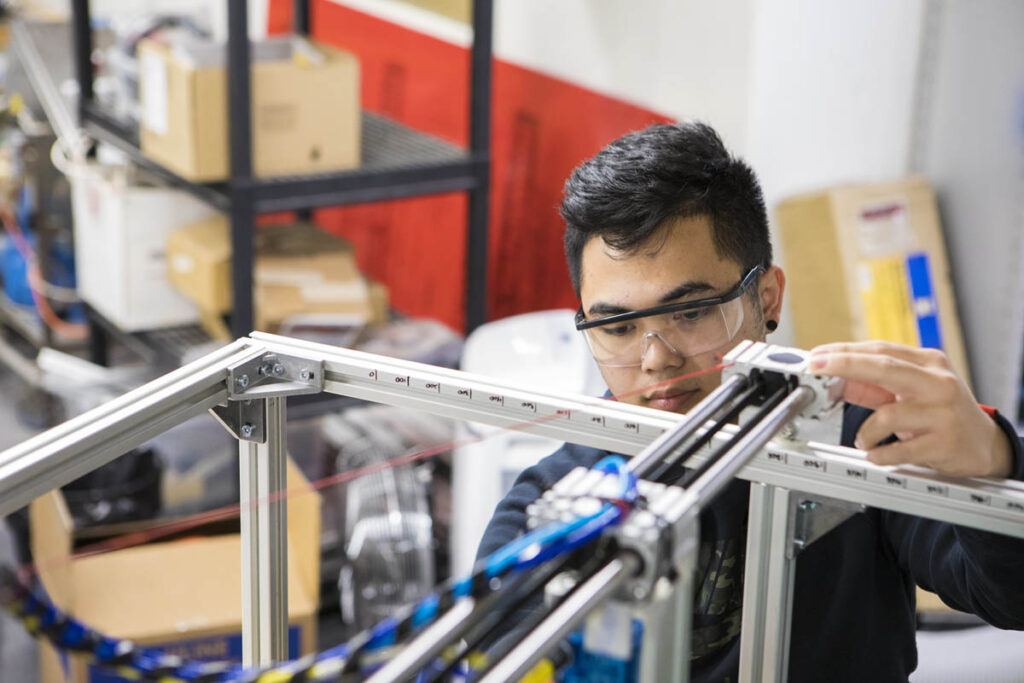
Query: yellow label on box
x=887 y=311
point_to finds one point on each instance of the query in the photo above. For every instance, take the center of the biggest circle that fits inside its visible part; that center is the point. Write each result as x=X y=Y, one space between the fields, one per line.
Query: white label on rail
x=392 y=380
x=490 y=399
x=651 y=430
x=431 y=385
x=896 y=481
x=553 y=412
x=807 y=463
x=1009 y=504
x=449 y=389
x=848 y=472
x=933 y=488
x=967 y=495
x=618 y=424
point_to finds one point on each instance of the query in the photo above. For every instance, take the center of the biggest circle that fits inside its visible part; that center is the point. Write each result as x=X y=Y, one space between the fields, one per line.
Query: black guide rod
x=670 y=471
x=665 y=445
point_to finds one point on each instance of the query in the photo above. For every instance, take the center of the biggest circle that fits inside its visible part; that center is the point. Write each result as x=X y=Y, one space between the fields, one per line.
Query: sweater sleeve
x=509 y=522
x=509 y=519
x=971 y=570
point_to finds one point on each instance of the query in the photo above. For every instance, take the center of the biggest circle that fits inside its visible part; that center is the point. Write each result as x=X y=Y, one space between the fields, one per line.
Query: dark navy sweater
x=853 y=602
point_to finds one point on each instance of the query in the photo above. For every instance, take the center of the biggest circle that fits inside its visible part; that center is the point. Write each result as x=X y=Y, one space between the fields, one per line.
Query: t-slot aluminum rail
x=245 y=384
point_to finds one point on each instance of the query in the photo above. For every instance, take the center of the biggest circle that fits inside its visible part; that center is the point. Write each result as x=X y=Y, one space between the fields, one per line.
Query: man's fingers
x=866 y=395
x=903 y=418
x=912 y=452
x=896 y=375
x=933 y=358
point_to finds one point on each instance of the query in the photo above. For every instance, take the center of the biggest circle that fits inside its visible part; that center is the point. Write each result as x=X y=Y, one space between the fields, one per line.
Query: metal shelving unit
x=397 y=161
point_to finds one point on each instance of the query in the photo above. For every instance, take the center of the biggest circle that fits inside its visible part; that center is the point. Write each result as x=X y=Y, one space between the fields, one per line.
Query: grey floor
x=976 y=655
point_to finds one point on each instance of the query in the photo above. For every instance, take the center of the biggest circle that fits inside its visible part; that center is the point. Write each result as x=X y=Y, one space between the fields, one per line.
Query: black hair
x=628 y=189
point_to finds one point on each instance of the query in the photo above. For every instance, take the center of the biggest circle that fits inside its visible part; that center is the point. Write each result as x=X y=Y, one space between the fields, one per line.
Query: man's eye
x=617 y=330
x=692 y=315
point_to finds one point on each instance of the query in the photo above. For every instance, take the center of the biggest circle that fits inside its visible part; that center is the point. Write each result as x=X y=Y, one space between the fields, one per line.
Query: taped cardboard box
x=182 y=595
x=299 y=270
x=869 y=262
x=305 y=107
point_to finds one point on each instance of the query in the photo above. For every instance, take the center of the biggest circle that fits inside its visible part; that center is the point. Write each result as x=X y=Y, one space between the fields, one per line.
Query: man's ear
x=770 y=290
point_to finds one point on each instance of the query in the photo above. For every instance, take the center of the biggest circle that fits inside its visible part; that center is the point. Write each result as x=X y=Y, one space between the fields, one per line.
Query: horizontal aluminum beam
x=815 y=468
x=62 y=454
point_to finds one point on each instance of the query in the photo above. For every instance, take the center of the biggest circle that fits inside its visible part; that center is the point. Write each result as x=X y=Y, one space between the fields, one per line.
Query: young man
x=666 y=215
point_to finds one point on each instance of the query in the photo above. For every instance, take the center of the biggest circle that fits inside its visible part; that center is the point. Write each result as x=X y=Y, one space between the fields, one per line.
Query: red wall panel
x=542 y=128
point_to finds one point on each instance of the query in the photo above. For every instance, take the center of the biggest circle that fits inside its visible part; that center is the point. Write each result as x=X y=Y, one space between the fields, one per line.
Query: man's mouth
x=671 y=400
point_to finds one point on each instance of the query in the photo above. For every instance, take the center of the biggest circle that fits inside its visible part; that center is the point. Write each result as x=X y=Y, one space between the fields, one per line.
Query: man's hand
x=916 y=396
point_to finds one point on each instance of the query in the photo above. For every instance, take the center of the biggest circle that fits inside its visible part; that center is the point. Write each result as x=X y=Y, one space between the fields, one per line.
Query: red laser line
x=230 y=511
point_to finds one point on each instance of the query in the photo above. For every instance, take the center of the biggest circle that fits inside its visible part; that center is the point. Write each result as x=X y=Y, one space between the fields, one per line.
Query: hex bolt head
x=278 y=369
x=306 y=374
x=247 y=430
x=242 y=381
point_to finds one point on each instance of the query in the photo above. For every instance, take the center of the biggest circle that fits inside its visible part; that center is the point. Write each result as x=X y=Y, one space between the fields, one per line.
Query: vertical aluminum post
x=768 y=590
x=264 y=542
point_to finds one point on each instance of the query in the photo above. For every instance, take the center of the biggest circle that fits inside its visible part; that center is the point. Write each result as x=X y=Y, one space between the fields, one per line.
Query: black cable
x=672 y=470
x=774 y=400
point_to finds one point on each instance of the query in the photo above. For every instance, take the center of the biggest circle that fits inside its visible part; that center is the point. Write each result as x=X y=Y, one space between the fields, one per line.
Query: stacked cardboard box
x=305 y=107
x=299 y=270
x=869 y=262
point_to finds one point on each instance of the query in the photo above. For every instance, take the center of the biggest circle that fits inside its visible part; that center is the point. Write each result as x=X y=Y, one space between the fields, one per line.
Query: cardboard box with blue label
x=869 y=262
x=182 y=594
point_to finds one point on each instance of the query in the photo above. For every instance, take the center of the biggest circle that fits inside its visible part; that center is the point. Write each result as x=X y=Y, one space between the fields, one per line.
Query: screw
x=242 y=381
x=789 y=431
x=639 y=592
x=808 y=505
x=306 y=375
x=278 y=369
x=247 y=430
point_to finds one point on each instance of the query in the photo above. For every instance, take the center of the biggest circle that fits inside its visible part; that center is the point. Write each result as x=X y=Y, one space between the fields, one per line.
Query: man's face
x=678 y=263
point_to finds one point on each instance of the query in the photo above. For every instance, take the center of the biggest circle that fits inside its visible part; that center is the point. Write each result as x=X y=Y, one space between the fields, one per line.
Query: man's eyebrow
x=683 y=290
x=687 y=289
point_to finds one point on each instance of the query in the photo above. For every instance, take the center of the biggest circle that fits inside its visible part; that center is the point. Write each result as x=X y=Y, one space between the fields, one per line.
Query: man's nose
x=657 y=354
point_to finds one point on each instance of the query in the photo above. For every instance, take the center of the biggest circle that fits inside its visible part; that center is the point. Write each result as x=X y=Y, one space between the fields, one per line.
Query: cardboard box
x=869 y=262
x=305 y=108
x=121 y=231
x=184 y=595
x=299 y=270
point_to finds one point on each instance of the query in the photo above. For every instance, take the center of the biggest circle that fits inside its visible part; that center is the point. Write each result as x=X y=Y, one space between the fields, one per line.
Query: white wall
x=684 y=58
x=832 y=94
